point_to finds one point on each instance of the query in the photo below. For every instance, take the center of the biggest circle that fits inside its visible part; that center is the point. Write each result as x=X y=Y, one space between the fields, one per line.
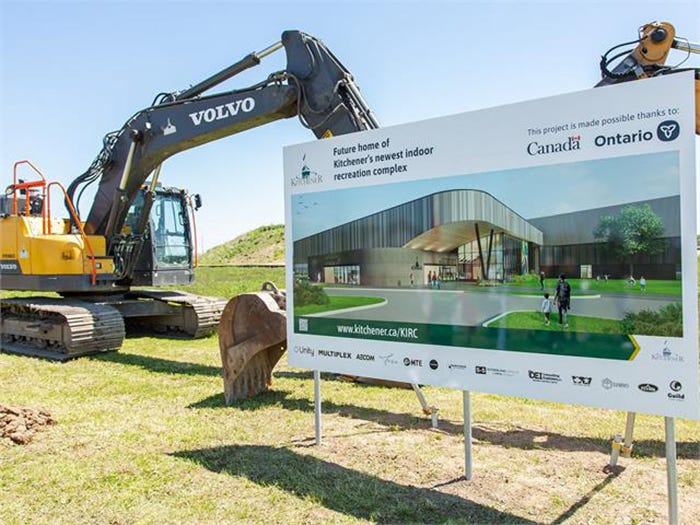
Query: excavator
x=138 y=233
x=648 y=59
x=94 y=263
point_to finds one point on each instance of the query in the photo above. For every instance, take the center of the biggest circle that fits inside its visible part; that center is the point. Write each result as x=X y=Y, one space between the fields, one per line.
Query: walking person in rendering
x=562 y=297
x=642 y=284
x=541 y=279
x=546 y=308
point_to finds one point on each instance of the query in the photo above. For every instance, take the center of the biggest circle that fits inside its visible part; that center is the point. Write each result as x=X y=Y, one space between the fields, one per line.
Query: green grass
x=262 y=244
x=231 y=281
x=144 y=436
x=577 y=323
x=337 y=302
x=213 y=281
x=613 y=286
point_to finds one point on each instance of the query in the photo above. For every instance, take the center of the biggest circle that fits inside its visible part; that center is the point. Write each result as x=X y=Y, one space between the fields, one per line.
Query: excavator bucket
x=252 y=338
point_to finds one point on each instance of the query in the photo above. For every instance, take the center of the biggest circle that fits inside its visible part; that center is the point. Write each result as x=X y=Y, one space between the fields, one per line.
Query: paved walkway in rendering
x=473 y=308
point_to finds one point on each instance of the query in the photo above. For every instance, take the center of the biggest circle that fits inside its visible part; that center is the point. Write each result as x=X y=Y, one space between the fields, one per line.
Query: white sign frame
x=464 y=145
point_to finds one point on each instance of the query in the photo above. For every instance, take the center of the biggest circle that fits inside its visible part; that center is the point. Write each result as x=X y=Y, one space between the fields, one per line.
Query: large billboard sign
x=544 y=249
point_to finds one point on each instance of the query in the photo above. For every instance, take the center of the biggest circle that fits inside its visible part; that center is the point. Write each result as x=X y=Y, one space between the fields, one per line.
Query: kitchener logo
x=307 y=176
x=667 y=355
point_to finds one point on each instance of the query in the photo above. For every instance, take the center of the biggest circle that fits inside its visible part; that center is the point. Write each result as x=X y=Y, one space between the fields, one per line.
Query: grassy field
x=577 y=323
x=144 y=436
x=612 y=286
x=262 y=245
x=337 y=302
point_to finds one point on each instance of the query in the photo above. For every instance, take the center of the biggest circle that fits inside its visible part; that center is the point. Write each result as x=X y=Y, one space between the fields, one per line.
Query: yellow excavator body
x=57 y=253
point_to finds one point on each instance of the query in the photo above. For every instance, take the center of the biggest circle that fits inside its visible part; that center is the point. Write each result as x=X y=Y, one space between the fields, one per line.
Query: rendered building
x=469 y=235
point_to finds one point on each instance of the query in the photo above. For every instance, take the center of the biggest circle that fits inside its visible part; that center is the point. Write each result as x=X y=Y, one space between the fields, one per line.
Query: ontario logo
x=306 y=176
x=668 y=130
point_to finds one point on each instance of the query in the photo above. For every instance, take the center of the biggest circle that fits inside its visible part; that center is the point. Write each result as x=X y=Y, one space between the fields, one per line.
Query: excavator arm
x=648 y=59
x=314 y=86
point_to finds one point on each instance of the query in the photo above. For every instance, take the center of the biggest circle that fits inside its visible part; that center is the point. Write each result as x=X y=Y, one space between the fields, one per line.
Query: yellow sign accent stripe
x=637 y=348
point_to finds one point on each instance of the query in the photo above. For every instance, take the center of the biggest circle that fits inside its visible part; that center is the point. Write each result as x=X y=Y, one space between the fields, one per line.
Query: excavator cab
x=168 y=255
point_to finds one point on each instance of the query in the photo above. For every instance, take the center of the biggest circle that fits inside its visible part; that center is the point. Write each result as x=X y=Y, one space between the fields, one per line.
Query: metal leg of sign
x=620 y=447
x=317 y=405
x=615 y=452
x=629 y=431
x=427 y=409
x=671 y=473
x=467 y=435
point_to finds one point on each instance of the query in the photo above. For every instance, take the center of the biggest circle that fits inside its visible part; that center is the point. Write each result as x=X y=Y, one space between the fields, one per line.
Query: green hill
x=264 y=245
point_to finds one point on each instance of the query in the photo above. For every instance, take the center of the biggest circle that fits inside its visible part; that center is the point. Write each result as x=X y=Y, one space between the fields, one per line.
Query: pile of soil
x=19 y=424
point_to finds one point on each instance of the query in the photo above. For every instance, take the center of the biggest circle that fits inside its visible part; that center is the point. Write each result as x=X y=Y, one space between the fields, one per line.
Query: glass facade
x=501 y=259
x=347 y=274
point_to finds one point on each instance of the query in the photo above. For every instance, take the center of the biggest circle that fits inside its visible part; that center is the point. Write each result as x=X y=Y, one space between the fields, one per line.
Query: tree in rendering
x=636 y=229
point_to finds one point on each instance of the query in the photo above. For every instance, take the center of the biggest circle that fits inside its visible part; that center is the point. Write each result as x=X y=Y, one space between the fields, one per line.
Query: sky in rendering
x=532 y=192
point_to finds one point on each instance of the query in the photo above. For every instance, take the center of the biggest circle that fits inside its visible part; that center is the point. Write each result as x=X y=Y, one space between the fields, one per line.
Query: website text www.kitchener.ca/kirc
x=400 y=332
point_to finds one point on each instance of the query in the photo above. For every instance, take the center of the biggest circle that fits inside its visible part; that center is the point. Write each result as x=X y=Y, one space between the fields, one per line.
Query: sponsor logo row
x=675 y=387
x=666 y=131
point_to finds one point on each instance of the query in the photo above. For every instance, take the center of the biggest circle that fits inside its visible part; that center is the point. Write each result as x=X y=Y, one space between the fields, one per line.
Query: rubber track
x=87 y=328
x=207 y=309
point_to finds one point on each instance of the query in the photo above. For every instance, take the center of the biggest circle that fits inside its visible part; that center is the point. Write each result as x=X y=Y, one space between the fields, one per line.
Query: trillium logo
x=668 y=130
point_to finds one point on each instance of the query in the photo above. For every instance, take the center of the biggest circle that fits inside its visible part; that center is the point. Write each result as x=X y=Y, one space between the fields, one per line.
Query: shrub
x=527 y=278
x=306 y=293
x=668 y=320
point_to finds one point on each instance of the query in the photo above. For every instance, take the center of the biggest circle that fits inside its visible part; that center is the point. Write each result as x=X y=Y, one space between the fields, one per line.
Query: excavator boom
x=314 y=86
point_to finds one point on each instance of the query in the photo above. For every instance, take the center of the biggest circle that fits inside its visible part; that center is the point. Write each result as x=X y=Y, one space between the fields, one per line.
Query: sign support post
x=629 y=431
x=317 y=405
x=467 y=435
x=671 y=472
x=620 y=447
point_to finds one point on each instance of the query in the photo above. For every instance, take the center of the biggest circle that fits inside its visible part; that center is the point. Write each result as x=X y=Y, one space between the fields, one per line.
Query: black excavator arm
x=315 y=86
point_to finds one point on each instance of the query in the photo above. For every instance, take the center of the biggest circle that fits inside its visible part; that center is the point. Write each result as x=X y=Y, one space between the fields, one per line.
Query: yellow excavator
x=648 y=59
x=138 y=233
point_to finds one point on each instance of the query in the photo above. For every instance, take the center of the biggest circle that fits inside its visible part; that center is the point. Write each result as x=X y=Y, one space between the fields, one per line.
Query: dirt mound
x=19 y=424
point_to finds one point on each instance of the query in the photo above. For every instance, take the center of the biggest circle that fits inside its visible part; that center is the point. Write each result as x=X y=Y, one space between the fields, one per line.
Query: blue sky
x=72 y=71
x=530 y=192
